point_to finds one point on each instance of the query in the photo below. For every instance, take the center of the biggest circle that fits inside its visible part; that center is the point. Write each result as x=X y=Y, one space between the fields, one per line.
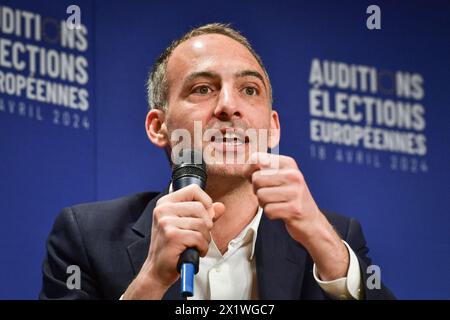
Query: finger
x=277 y=210
x=189 y=239
x=192 y=209
x=219 y=210
x=261 y=161
x=274 y=194
x=188 y=223
x=257 y=160
x=190 y=193
x=281 y=177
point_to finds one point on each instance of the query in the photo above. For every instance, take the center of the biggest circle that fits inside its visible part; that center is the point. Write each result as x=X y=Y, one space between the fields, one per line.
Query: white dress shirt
x=232 y=275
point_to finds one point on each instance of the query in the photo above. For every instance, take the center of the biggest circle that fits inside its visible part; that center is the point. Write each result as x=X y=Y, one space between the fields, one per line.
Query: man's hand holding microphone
x=181 y=220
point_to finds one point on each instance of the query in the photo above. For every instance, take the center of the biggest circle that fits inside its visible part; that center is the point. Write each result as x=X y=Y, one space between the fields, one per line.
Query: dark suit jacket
x=109 y=241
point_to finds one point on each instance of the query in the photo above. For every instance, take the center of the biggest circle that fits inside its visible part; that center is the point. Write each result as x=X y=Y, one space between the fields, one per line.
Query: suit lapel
x=138 y=250
x=280 y=262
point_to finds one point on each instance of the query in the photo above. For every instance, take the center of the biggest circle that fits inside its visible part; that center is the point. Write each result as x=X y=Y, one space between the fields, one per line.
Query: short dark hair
x=157 y=86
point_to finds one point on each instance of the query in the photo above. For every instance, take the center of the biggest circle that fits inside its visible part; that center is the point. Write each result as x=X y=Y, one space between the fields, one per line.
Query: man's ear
x=156 y=128
x=274 y=133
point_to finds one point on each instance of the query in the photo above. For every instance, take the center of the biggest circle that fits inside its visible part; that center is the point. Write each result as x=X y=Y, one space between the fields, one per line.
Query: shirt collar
x=253 y=228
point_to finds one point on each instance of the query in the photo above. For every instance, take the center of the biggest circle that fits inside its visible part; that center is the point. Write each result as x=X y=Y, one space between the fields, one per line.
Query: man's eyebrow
x=251 y=73
x=213 y=75
x=201 y=74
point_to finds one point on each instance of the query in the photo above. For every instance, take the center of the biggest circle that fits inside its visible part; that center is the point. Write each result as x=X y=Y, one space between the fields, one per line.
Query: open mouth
x=230 y=140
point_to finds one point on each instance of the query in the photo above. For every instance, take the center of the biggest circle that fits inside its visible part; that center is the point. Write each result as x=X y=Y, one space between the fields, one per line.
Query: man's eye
x=202 y=90
x=250 y=91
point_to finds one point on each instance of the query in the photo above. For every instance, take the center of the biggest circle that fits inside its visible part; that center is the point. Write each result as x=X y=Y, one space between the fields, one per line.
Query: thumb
x=219 y=210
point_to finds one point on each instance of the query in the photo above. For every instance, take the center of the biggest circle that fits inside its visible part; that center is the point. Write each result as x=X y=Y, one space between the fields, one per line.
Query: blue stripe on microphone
x=187 y=279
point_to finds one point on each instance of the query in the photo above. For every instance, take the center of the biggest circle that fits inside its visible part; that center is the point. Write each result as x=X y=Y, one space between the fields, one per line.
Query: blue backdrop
x=55 y=154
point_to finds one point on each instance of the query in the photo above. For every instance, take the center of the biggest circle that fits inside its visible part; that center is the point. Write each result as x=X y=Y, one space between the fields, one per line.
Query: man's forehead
x=208 y=50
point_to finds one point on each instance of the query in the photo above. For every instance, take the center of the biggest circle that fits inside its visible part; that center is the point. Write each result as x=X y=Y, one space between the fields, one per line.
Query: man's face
x=215 y=81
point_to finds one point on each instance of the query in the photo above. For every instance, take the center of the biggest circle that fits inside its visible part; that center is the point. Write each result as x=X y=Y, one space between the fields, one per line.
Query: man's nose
x=228 y=104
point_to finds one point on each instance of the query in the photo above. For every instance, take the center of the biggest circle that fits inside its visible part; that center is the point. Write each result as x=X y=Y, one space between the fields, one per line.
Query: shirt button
x=217 y=269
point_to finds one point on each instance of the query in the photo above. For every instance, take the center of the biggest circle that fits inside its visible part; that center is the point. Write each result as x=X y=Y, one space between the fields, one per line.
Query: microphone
x=190 y=169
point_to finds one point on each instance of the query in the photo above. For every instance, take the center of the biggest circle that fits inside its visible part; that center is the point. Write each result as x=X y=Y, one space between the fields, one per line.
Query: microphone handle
x=188 y=262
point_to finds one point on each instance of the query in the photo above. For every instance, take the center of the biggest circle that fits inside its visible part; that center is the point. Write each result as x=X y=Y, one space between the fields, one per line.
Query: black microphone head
x=189 y=165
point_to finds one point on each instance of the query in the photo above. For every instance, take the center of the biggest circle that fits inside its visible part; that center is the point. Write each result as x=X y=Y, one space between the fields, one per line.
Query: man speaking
x=256 y=226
